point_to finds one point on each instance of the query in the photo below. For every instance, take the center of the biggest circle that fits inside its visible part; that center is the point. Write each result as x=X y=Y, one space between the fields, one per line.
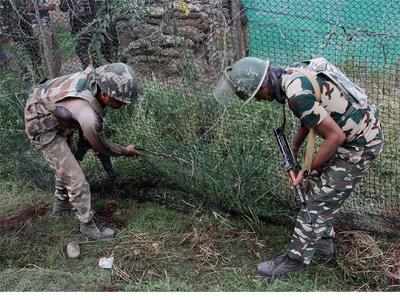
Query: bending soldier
x=352 y=137
x=71 y=102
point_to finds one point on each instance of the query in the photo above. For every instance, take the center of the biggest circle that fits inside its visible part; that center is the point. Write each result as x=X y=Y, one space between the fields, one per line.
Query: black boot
x=279 y=267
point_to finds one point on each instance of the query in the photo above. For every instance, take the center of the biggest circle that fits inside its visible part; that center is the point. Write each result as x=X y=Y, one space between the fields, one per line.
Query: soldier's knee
x=61 y=173
x=76 y=177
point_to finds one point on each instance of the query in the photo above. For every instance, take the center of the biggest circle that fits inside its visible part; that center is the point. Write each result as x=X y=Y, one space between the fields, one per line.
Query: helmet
x=243 y=79
x=118 y=81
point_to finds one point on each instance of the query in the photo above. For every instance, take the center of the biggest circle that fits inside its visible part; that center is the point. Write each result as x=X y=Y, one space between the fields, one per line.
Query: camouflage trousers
x=70 y=182
x=326 y=194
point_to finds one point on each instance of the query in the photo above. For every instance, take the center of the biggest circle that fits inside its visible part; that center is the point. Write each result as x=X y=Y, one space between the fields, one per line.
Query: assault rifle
x=291 y=166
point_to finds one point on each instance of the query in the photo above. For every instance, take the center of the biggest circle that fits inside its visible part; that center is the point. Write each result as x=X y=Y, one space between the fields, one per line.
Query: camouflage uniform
x=82 y=16
x=328 y=190
x=74 y=93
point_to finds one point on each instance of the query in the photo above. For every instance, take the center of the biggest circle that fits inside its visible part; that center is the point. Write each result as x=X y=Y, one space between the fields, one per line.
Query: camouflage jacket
x=360 y=125
x=75 y=94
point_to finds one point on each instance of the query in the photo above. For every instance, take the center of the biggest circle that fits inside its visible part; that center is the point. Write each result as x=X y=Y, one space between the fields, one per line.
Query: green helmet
x=241 y=80
x=119 y=81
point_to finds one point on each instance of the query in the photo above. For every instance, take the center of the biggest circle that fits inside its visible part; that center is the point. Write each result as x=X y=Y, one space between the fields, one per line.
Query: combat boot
x=279 y=267
x=61 y=208
x=91 y=231
x=325 y=250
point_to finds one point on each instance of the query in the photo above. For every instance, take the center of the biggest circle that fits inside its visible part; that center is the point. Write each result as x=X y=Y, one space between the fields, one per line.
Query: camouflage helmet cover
x=118 y=81
x=241 y=80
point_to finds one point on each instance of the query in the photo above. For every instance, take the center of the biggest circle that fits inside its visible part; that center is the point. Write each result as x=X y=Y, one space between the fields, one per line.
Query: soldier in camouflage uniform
x=352 y=139
x=77 y=101
x=82 y=17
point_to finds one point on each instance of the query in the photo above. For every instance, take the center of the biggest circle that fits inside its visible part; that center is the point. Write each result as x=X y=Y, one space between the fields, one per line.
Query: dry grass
x=376 y=263
x=145 y=256
x=392 y=264
x=359 y=253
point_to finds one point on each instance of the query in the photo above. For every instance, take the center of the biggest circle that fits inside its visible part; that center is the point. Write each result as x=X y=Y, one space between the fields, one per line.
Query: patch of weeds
x=16 y=195
x=164 y=284
x=156 y=249
x=39 y=243
x=38 y=279
x=157 y=219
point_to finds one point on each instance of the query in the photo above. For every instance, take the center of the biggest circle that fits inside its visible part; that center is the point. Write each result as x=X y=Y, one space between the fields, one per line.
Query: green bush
x=225 y=157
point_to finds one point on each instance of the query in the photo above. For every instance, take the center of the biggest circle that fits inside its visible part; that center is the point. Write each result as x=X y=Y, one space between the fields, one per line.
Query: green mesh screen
x=362 y=38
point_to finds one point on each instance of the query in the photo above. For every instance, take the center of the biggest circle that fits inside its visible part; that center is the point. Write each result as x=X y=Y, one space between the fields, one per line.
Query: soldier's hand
x=299 y=178
x=131 y=151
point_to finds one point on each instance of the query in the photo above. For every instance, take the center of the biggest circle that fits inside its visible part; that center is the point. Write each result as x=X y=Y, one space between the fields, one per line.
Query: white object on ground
x=73 y=250
x=106 y=262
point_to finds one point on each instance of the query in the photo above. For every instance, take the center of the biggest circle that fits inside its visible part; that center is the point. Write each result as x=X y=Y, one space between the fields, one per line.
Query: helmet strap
x=275 y=80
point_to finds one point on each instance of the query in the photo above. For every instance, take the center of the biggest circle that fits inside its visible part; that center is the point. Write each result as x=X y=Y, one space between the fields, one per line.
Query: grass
x=156 y=249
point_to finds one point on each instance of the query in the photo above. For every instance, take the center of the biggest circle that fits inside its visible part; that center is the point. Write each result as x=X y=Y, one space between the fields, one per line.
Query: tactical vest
x=41 y=125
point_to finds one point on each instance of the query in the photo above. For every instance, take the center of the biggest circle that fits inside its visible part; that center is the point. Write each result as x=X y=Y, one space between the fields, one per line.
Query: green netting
x=362 y=38
x=340 y=30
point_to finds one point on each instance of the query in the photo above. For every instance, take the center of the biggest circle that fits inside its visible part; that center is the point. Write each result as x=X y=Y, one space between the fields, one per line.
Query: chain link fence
x=227 y=158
